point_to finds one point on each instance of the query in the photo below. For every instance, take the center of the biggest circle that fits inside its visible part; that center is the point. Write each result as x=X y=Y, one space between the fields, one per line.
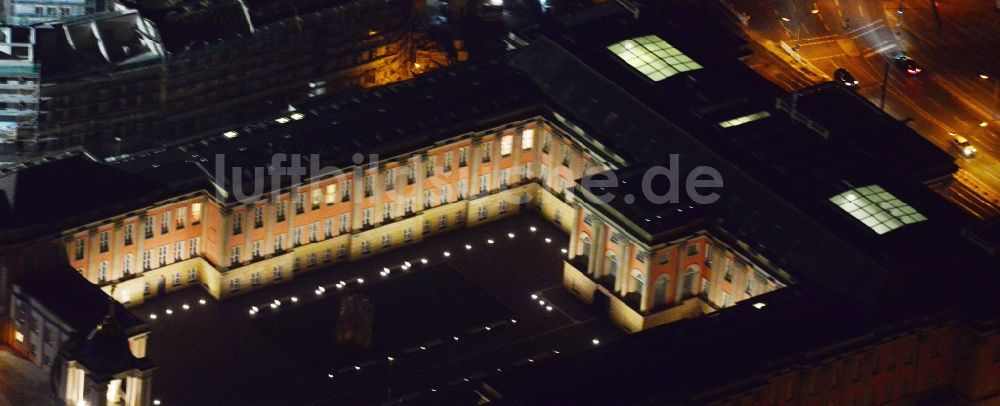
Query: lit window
x=19 y=336
x=878 y=209
x=653 y=57
x=195 y=213
x=744 y=119
x=527 y=138
x=331 y=193
x=506 y=145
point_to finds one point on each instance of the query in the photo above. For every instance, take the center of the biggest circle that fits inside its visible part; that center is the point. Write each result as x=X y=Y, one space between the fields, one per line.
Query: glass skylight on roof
x=653 y=57
x=877 y=209
x=745 y=119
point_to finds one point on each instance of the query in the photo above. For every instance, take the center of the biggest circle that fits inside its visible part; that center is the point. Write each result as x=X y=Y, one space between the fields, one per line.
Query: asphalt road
x=949 y=96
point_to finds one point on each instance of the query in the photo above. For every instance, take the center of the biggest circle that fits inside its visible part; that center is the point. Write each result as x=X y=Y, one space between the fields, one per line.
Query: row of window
x=128 y=230
x=193 y=245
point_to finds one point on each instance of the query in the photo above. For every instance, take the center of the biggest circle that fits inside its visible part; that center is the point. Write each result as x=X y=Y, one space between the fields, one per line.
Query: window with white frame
x=102 y=272
x=445 y=194
x=390 y=179
x=366 y=217
x=234 y=257
x=258 y=217
x=487 y=149
x=442 y=222
x=328 y=228
x=483 y=213
x=387 y=211
x=297 y=236
x=178 y=251
x=255 y=279
x=176 y=278
x=484 y=183
x=234 y=285
x=463 y=157
x=181 y=217
x=129 y=230
x=103 y=241
x=344 y=224
x=525 y=171
x=150 y=223
x=194 y=246
x=279 y=273
x=127 y=264
x=407 y=234
x=163 y=255
x=366 y=247
x=279 y=243
x=313 y=232
x=165 y=222
x=192 y=275
x=448 y=157
x=300 y=202
x=256 y=249
x=386 y=241
x=317 y=198
x=460 y=190
x=409 y=205
x=428 y=198
x=503 y=206
x=237 y=223
x=147 y=260
x=280 y=210
x=79 y=248
x=504 y=177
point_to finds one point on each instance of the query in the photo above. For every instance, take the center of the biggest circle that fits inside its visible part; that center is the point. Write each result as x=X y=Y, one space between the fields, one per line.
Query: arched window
x=660 y=289
x=584 y=245
x=611 y=263
x=687 y=282
x=102 y=272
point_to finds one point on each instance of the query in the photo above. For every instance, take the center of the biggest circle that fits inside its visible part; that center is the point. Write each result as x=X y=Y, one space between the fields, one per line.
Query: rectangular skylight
x=745 y=119
x=653 y=57
x=877 y=209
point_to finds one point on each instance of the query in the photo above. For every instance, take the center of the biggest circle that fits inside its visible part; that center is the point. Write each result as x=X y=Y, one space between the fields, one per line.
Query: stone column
x=378 y=184
x=623 y=277
x=117 y=241
x=574 y=235
x=270 y=214
x=139 y=234
x=418 y=183
x=475 y=158
x=597 y=250
x=644 y=302
x=92 y=250
x=539 y=142
x=515 y=157
x=227 y=230
x=248 y=227
x=357 y=196
x=495 y=168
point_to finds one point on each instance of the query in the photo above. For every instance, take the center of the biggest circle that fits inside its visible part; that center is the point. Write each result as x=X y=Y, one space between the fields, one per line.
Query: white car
x=963 y=146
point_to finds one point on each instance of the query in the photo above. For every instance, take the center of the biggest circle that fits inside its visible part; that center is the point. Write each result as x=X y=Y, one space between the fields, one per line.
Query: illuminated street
x=949 y=96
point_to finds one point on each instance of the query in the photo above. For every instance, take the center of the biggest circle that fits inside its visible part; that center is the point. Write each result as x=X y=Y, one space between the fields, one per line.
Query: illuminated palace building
x=804 y=205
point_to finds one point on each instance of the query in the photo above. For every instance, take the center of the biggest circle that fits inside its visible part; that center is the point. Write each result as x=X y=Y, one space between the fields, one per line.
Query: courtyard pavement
x=453 y=317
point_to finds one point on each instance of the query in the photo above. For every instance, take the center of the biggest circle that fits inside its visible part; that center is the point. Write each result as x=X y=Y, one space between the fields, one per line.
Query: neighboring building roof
x=79 y=304
x=706 y=358
x=95 y=41
x=72 y=187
